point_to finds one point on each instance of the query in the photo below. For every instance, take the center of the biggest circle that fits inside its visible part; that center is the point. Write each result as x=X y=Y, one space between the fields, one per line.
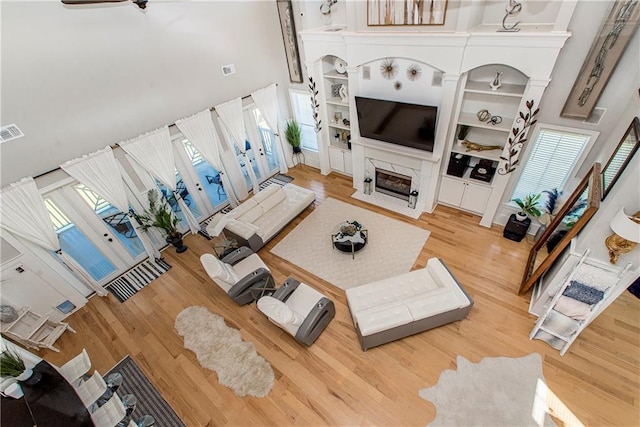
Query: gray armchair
x=298 y=309
x=241 y=274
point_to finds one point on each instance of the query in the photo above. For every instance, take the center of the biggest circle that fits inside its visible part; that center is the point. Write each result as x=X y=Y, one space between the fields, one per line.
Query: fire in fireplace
x=393 y=184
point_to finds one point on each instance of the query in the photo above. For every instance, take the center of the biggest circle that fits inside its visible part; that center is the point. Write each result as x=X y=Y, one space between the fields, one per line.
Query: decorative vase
x=176 y=240
x=496 y=83
x=29 y=377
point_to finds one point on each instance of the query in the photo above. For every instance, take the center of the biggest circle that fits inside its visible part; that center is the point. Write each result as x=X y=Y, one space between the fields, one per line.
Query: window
x=303 y=112
x=554 y=156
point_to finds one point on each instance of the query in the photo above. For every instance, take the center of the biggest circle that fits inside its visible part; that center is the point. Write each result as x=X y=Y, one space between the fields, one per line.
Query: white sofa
x=407 y=304
x=257 y=220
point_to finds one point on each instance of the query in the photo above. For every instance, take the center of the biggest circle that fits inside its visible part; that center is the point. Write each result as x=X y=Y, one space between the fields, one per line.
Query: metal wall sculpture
x=616 y=32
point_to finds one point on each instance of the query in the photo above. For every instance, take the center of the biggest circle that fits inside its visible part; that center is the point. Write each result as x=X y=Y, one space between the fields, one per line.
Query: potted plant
x=528 y=206
x=293 y=133
x=160 y=215
x=12 y=366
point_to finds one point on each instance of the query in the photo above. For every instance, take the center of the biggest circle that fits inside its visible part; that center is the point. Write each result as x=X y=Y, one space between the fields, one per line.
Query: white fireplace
x=405 y=170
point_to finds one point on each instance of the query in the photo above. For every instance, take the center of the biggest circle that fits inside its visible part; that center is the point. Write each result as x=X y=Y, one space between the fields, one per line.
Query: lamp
x=367 y=185
x=626 y=234
x=413 y=198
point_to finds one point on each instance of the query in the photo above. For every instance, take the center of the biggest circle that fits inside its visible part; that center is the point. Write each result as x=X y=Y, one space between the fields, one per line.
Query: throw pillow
x=572 y=308
x=596 y=277
x=8 y=314
x=581 y=292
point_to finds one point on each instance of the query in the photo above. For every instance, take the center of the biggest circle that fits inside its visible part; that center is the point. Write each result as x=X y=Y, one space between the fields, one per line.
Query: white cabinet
x=465 y=195
x=340 y=160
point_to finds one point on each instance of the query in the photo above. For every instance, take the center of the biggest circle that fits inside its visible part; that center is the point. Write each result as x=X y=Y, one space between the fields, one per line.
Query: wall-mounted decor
x=608 y=47
x=516 y=142
x=413 y=72
x=315 y=105
x=403 y=12
x=289 y=37
x=389 y=68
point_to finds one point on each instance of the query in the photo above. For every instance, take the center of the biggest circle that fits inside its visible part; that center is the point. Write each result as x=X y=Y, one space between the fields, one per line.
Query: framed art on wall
x=405 y=12
x=616 y=32
x=290 y=40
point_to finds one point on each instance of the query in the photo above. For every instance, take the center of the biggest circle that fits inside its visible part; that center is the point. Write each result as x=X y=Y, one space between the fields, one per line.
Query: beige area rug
x=498 y=391
x=392 y=247
x=221 y=349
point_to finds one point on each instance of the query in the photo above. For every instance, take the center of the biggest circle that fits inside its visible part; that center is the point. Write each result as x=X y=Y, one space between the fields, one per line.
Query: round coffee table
x=349 y=236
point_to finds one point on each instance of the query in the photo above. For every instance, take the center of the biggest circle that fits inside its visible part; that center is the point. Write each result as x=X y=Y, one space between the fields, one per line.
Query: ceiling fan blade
x=74 y=2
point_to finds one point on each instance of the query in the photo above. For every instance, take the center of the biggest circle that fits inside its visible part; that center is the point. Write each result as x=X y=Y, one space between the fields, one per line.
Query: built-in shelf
x=467 y=178
x=513 y=90
x=333 y=74
x=471 y=119
x=337 y=101
x=487 y=154
x=338 y=126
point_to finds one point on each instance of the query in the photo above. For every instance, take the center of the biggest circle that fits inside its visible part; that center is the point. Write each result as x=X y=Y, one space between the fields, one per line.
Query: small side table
x=516 y=230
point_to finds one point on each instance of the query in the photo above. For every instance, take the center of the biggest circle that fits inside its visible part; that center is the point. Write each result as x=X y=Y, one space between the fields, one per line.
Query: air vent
x=227 y=70
x=9 y=132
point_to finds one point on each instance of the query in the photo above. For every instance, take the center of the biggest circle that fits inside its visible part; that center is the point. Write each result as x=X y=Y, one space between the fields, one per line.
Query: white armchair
x=298 y=309
x=241 y=274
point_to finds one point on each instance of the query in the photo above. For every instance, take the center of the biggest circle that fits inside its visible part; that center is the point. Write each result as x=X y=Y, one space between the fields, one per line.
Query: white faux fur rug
x=392 y=246
x=498 y=391
x=221 y=349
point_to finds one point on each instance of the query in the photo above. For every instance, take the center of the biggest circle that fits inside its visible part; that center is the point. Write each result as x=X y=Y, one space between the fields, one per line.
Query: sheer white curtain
x=200 y=130
x=231 y=114
x=100 y=172
x=154 y=152
x=267 y=101
x=24 y=214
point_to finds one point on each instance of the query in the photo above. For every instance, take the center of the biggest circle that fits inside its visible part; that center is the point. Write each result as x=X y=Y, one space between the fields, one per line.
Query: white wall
x=78 y=78
x=624 y=194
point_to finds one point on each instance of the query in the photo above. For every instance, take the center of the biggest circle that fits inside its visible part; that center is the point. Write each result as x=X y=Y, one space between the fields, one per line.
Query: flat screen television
x=400 y=123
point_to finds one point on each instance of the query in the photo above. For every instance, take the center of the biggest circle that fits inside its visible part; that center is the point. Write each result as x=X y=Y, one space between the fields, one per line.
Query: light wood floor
x=334 y=382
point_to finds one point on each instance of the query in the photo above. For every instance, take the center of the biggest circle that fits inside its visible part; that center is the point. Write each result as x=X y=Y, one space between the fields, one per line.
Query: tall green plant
x=159 y=215
x=11 y=364
x=293 y=133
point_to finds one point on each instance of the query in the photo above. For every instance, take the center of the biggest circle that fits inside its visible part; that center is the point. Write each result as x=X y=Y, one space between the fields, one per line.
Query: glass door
x=80 y=241
x=263 y=141
x=117 y=221
x=209 y=195
x=189 y=200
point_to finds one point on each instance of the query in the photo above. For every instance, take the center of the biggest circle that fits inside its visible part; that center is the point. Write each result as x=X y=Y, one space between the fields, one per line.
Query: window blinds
x=552 y=159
